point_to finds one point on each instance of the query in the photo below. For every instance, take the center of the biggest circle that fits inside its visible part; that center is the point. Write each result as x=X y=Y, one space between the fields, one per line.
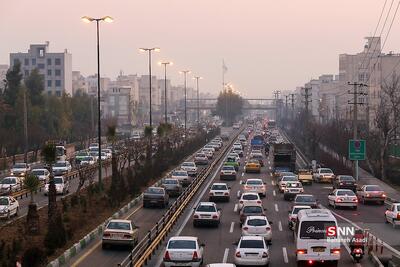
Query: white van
x=311 y=237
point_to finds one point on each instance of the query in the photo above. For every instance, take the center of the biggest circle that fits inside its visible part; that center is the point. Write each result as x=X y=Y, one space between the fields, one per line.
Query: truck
x=284 y=156
x=257 y=142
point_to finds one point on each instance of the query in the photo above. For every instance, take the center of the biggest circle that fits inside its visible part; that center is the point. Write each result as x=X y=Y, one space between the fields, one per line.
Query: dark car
x=155 y=196
x=305 y=200
x=345 y=182
x=251 y=210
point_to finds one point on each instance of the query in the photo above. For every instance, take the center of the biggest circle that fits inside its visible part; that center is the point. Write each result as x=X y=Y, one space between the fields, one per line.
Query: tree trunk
x=32 y=219
x=52 y=196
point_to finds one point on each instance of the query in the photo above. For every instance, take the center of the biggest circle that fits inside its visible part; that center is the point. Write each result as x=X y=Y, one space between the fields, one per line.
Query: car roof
x=249 y=193
x=120 y=221
x=220 y=184
x=301 y=207
x=183 y=238
x=206 y=204
x=253 y=179
x=250 y=237
x=257 y=217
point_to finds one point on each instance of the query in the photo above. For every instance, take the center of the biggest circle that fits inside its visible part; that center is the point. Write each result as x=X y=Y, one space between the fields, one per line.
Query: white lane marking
x=269 y=162
x=285 y=257
x=232 y=226
x=273 y=182
x=242 y=174
x=270 y=173
x=235 y=208
x=225 y=258
x=276 y=208
x=274 y=193
x=280 y=226
x=328 y=187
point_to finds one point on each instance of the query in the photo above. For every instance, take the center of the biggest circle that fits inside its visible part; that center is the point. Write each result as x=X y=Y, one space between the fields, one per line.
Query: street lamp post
x=185 y=72
x=98 y=20
x=165 y=63
x=149 y=50
x=197 y=78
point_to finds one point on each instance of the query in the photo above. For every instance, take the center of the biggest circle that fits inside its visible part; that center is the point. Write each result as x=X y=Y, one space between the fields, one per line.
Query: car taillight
x=246 y=187
x=226 y=194
x=335 y=251
x=241 y=201
x=293 y=219
x=398 y=216
x=259 y=201
x=355 y=200
x=339 y=200
x=106 y=234
x=238 y=255
x=302 y=251
x=214 y=216
x=268 y=228
x=310 y=262
x=127 y=236
x=264 y=255
x=357 y=250
x=367 y=195
x=166 y=256
x=211 y=193
x=341 y=183
x=383 y=195
x=195 y=256
x=245 y=228
x=196 y=216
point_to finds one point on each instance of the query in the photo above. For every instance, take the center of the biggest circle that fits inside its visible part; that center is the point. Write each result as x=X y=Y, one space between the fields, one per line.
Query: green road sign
x=357 y=149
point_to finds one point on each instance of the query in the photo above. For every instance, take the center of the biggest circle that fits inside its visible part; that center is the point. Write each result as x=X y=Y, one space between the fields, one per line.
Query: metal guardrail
x=143 y=251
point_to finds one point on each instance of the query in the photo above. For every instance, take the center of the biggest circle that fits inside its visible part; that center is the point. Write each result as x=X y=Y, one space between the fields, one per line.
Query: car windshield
x=345 y=193
x=188 y=164
x=228 y=168
x=256 y=156
x=305 y=199
x=170 y=181
x=231 y=159
x=206 y=208
x=87 y=158
x=296 y=210
x=250 y=197
x=119 y=226
x=289 y=178
x=219 y=187
x=257 y=222
x=200 y=155
x=60 y=164
x=252 y=209
x=58 y=180
x=346 y=178
x=38 y=172
x=4 y=201
x=155 y=190
x=254 y=161
x=19 y=166
x=182 y=244
x=179 y=173
x=373 y=188
x=8 y=181
x=326 y=171
x=254 y=182
x=81 y=154
x=251 y=244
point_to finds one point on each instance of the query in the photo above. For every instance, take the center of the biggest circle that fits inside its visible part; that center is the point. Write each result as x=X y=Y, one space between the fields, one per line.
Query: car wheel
x=355 y=207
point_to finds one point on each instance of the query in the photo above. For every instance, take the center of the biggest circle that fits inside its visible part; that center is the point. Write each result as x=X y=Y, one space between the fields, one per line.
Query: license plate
x=358 y=255
x=116 y=236
x=318 y=249
x=218 y=193
x=153 y=201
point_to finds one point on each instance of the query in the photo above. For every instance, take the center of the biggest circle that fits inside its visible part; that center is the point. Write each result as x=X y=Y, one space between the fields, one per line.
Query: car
x=238 y=150
x=20 y=169
x=224 y=137
x=89 y=160
x=371 y=193
x=62 y=186
x=206 y=213
x=250 y=210
x=215 y=145
x=200 y=159
x=305 y=200
x=136 y=136
x=236 y=155
x=211 y=147
x=219 y=191
x=108 y=152
x=95 y=155
x=155 y=196
x=256 y=186
x=80 y=156
x=293 y=214
x=227 y=173
x=42 y=174
x=305 y=176
x=284 y=180
x=345 y=182
x=292 y=189
x=257 y=156
x=9 y=206
x=221 y=265
x=94 y=147
x=249 y=199
x=183 y=251
x=342 y=198
x=189 y=167
x=62 y=167
x=257 y=226
x=252 y=250
x=120 y=232
x=172 y=186
x=209 y=152
x=232 y=161
x=323 y=175
x=182 y=176
x=10 y=184
x=392 y=214
x=253 y=165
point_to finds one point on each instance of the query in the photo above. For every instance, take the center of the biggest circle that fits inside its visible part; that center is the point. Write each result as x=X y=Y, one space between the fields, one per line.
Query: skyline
x=240 y=33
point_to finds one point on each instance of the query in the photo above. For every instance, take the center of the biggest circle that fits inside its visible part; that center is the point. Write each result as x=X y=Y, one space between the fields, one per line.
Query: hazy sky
x=267 y=45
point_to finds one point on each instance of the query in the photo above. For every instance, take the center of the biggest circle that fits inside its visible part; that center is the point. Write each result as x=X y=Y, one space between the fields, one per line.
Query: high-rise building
x=55 y=67
x=3 y=72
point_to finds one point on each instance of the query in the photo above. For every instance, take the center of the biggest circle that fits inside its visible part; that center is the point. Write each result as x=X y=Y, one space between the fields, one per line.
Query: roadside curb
x=374 y=259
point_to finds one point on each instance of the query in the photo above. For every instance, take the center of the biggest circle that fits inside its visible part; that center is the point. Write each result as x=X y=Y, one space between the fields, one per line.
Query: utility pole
x=25 y=127
x=286 y=106
x=292 y=100
x=355 y=104
x=277 y=113
x=307 y=99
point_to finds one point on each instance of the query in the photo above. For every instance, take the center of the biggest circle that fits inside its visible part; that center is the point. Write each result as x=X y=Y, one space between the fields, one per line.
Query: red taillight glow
x=245 y=228
x=196 y=216
x=398 y=216
x=265 y=255
x=302 y=251
x=268 y=228
x=211 y=193
x=195 y=256
x=214 y=216
x=226 y=194
x=367 y=195
x=335 y=251
x=127 y=236
x=355 y=200
x=310 y=262
x=383 y=195
x=238 y=255
x=106 y=234
x=357 y=250
x=166 y=256
x=259 y=201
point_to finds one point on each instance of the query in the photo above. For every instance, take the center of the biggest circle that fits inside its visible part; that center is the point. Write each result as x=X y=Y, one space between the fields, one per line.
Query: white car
x=182 y=176
x=236 y=155
x=206 y=213
x=183 y=251
x=120 y=232
x=209 y=152
x=284 y=180
x=88 y=160
x=221 y=265
x=238 y=150
x=94 y=147
x=343 y=198
x=62 y=167
x=10 y=184
x=392 y=214
x=201 y=159
x=42 y=174
x=256 y=186
x=252 y=250
x=293 y=215
x=249 y=199
x=257 y=226
x=227 y=173
x=323 y=175
x=108 y=152
x=8 y=207
x=211 y=147
x=62 y=186
x=219 y=191
x=190 y=167
x=20 y=169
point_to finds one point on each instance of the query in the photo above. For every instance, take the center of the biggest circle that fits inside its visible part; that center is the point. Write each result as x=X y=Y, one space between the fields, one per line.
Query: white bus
x=314 y=243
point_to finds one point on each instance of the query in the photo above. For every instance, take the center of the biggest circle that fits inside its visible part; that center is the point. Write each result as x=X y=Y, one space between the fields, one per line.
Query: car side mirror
x=270 y=222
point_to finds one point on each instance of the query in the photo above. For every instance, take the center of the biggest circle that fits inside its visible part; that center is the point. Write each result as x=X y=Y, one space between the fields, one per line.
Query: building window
x=41 y=52
x=16 y=61
x=57 y=61
x=58 y=93
x=58 y=83
x=26 y=62
x=48 y=83
x=34 y=61
x=41 y=66
x=49 y=61
x=57 y=72
x=49 y=72
x=26 y=72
